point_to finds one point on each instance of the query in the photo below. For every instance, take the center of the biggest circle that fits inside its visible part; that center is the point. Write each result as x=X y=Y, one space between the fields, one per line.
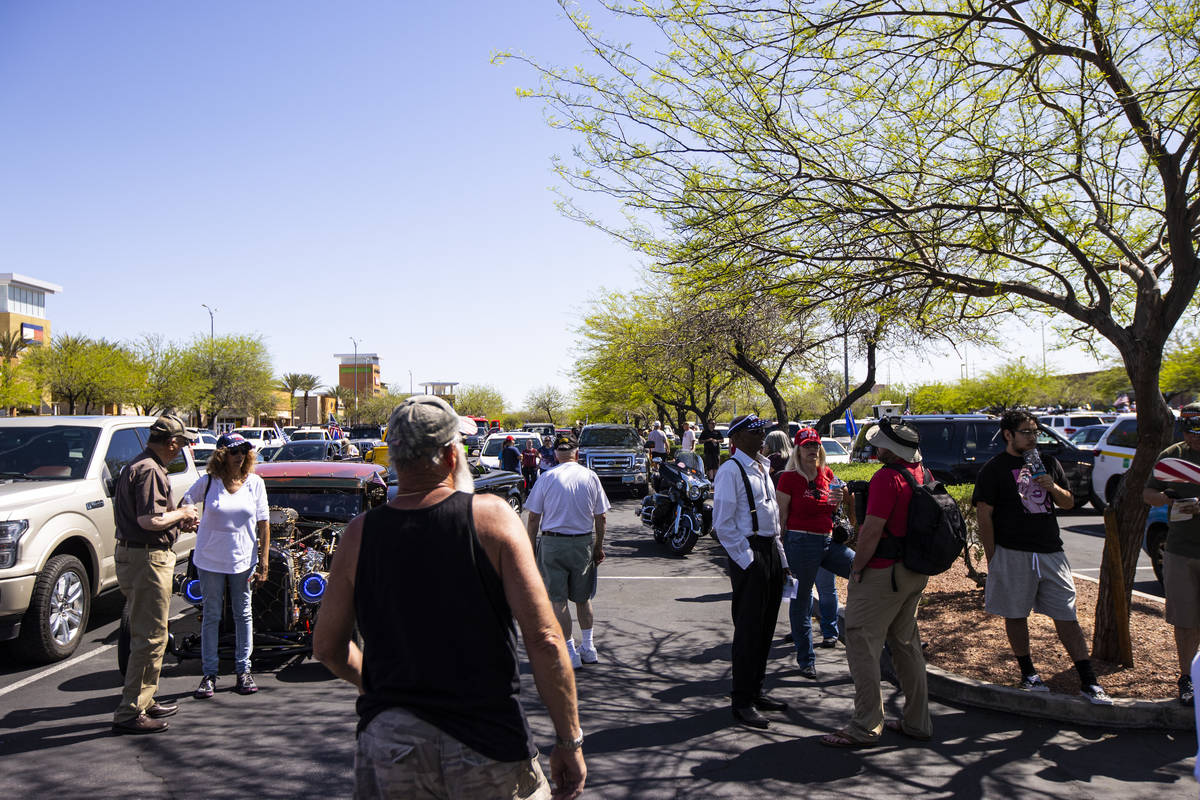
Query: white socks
x=587 y=639
x=570 y=646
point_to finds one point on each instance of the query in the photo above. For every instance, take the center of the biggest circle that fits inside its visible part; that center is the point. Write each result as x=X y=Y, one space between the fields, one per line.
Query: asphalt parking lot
x=655 y=712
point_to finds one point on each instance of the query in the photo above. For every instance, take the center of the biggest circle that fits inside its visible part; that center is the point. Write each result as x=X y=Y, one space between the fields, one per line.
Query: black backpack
x=936 y=532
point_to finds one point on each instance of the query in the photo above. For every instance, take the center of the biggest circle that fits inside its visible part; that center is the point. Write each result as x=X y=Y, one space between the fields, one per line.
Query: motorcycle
x=676 y=511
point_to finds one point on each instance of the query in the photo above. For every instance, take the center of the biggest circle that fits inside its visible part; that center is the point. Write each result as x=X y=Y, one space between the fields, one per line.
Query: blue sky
x=315 y=171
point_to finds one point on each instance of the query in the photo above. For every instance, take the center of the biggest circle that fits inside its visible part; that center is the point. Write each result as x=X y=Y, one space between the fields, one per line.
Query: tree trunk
x=868 y=383
x=764 y=380
x=1155 y=429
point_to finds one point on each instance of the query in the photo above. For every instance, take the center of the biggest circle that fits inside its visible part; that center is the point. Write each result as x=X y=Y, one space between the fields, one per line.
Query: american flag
x=335 y=430
x=1177 y=470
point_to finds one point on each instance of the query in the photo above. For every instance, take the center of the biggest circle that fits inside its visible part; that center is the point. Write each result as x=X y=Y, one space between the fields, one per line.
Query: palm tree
x=307 y=383
x=11 y=345
x=291 y=383
x=343 y=395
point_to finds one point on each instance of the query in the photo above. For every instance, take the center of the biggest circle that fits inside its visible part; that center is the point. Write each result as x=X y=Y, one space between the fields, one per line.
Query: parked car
x=840 y=431
x=508 y=485
x=617 y=454
x=1155 y=538
x=1114 y=453
x=260 y=437
x=955 y=446
x=540 y=428
x=1068 y=423
x=265 y=454
x=489 y=454
x=834 y=452
x=314 y=450
x=365 y=447
x=373 y=432
x=309 y=433
x=204 y=446
x=311 y=504
x=1088 y=435
x=57 y=537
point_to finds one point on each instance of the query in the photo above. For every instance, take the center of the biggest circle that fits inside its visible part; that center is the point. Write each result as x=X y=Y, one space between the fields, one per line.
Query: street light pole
x=410 y=389
x=355 y=378
x=210 y=311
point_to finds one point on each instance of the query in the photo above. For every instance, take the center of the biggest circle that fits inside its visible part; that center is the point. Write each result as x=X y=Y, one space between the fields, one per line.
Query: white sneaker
x=1097 y=695
x=1033 y=683
x=576 y=662
x=589 y=655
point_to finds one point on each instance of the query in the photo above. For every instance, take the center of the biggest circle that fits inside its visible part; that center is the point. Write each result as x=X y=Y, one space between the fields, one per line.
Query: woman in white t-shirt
x=233 y=537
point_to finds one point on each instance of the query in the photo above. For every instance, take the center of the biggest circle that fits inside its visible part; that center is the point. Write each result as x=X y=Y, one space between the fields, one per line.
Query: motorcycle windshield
x=688 y=461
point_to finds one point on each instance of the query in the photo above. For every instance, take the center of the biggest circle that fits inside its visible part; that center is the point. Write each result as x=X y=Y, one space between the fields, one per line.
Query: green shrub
x=855 y=472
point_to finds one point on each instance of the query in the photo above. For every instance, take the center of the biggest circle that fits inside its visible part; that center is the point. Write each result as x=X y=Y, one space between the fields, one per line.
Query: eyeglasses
x=1028 y=431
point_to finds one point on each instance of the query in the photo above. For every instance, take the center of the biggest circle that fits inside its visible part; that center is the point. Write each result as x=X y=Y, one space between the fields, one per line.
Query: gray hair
x=778 y=442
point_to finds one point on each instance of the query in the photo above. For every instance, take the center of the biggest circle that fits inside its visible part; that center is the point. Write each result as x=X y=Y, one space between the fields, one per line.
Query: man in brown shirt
x=147 y=525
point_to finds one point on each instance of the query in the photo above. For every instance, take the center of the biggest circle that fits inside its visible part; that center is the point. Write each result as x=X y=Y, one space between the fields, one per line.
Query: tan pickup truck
x=57 y=532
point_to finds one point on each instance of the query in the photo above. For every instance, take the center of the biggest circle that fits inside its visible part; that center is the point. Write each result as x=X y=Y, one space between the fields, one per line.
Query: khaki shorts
x=400 y=756
x=566 y=566
x=1019 y=582
x=1181 y=584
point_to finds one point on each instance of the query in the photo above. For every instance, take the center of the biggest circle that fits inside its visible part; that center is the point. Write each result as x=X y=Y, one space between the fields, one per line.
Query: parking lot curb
x=1123 y=713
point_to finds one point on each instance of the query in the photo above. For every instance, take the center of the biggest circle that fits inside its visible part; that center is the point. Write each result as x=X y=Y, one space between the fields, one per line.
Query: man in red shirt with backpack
x=881 y=602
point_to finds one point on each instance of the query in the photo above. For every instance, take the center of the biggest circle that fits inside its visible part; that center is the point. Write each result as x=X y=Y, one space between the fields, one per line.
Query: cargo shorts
x=401 y=757
x=566 y=566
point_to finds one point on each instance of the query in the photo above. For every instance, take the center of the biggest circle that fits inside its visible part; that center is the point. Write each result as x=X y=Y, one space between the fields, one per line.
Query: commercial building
x=23 y=306
x=359 y=372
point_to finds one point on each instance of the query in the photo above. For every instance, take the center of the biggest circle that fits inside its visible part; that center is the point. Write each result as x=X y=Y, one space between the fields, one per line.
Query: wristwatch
x=572 y=744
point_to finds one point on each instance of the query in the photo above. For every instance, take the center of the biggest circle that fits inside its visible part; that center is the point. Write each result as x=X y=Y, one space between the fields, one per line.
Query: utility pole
x=355 y=378
x=211 y=355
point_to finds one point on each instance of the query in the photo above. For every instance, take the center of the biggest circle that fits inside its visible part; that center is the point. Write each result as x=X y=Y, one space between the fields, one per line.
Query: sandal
x=896 y=726
x=842 y=739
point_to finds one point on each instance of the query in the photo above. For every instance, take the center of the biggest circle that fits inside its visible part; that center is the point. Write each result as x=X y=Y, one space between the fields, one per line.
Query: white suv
x=57 y=532
x=1114 y=453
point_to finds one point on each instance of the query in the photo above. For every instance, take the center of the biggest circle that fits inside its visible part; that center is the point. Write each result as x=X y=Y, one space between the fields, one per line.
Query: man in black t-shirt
x=710 y=438
x=1027 y=569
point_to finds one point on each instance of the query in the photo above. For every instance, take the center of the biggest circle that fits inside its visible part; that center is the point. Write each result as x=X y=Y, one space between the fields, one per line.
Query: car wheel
x=514 y=500
x=1156 y=540
x=58 y=611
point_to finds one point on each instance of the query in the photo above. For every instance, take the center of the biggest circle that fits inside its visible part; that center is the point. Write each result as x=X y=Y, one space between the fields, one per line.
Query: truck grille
x=610 y=464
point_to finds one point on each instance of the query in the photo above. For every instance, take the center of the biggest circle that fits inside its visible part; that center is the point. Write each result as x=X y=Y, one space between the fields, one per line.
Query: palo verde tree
x=1038 y=157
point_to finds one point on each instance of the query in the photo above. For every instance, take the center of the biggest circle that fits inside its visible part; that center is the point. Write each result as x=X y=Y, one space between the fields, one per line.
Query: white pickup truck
x=57 y=532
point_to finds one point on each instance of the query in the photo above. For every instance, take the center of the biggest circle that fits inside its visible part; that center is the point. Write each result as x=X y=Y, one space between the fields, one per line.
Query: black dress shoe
x=750 y=717
x=142 y=723
x=808 y=672
x=161 y=709
x=765 y=703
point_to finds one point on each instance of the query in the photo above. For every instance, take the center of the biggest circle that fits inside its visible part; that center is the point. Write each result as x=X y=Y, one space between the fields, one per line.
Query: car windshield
x=53 y=452
x=1079 y=422
x=833 y=447
x=336 y=504
x=302 y=435
x=249 y=433
x=608 y=437
x=838 y=429
x=301 y=451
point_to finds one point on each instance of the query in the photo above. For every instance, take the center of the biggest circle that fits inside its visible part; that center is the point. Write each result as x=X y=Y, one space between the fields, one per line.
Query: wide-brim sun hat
x=902 y=439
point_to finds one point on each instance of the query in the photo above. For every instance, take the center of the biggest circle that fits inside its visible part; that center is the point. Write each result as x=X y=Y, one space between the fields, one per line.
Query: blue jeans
x=807 y=554
x=213 y=586
x=827 y=603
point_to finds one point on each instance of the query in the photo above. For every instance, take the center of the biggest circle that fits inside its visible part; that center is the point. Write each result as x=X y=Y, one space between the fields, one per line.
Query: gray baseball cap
x=425 y=421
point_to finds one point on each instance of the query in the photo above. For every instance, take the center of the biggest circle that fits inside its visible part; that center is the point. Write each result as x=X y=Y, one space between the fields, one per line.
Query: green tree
x=377 y=410
x=308 y=383
x=86 y=373
x=238 y=377
x=291 y=382
x=479 y=400
x=1002 y=157
x=12 y=344
x=169 y=382
x=547 y=400
x=1181 y=367
x=344 y=397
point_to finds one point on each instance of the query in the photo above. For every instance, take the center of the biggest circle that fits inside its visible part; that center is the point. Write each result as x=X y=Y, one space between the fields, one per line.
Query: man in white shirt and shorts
x=566 y=504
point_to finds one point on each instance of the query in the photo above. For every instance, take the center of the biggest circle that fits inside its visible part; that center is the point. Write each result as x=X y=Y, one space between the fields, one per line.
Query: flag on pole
x=851 y=427
x=335 y=430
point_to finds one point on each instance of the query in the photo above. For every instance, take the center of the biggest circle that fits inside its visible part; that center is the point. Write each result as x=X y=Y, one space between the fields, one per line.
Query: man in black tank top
x=433 y=581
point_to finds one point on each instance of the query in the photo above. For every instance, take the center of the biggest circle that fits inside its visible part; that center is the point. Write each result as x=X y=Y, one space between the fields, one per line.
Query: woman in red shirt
x=808 y=496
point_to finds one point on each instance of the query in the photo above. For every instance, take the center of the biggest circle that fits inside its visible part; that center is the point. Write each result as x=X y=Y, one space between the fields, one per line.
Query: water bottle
x=837 y=483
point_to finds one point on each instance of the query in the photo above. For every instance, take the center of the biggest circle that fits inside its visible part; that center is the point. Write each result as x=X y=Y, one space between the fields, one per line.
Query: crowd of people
x=442 y=687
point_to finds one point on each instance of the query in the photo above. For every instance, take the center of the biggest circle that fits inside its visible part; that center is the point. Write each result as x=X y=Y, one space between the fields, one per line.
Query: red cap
x=508 y=439
x=806 y=435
